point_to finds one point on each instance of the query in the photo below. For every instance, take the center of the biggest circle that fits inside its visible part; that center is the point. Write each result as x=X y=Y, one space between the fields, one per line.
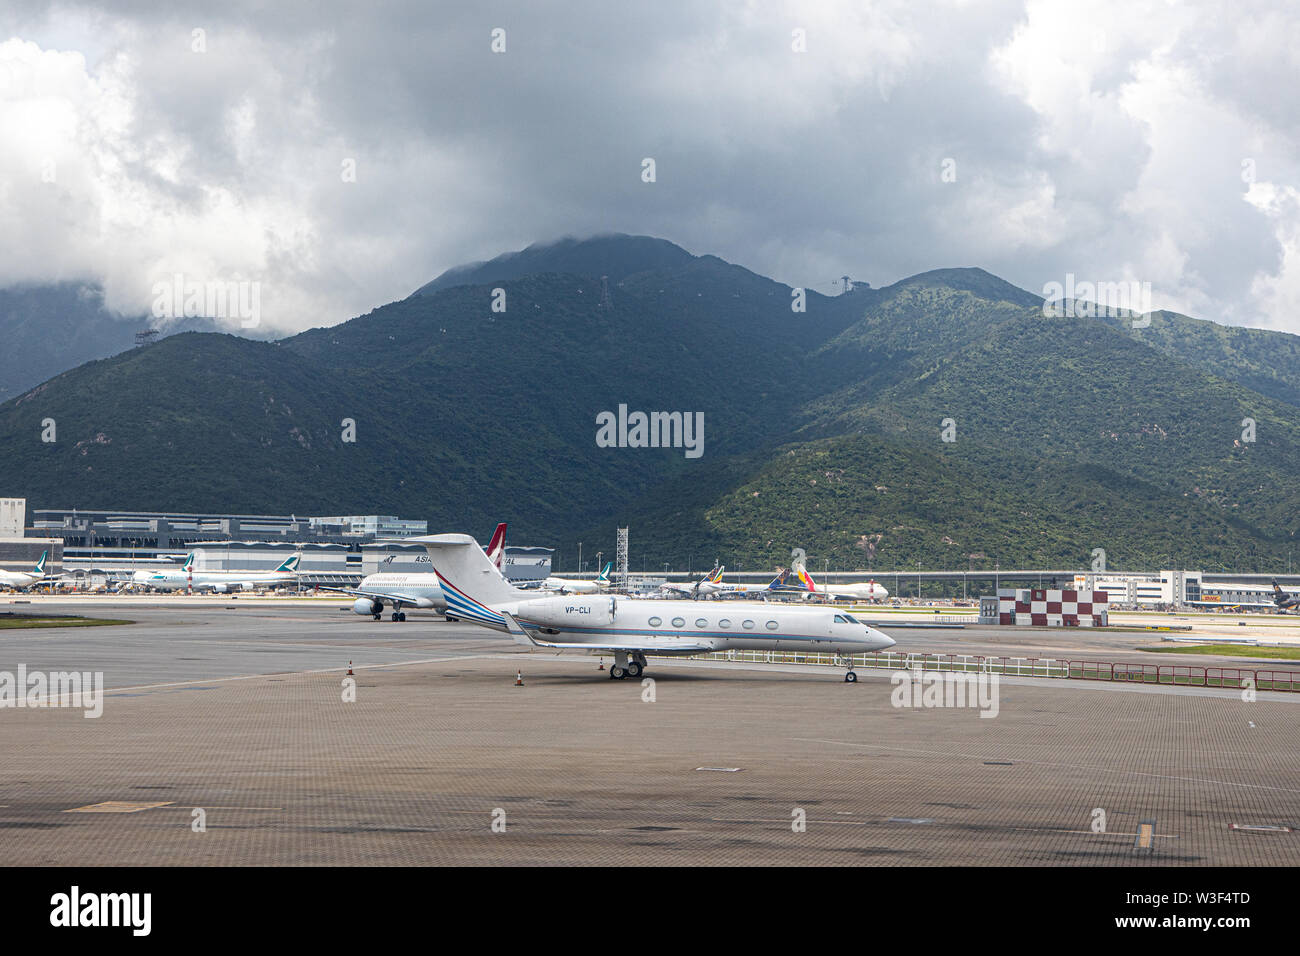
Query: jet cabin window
x=655 y=622
x=772 y=625
x=701 y=622
x=679 y=622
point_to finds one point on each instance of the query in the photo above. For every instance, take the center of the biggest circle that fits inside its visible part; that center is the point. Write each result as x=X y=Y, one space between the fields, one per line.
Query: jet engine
x=365 y=605
x=572 y=611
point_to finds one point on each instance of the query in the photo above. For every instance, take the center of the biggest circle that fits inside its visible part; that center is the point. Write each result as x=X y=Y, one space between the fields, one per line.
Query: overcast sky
x=1152 y=142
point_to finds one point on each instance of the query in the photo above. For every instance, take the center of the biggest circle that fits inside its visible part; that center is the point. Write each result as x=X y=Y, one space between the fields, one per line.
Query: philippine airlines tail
x=496 y=549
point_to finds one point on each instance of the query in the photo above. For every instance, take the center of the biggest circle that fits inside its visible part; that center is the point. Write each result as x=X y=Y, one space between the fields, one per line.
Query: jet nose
x=879 y=641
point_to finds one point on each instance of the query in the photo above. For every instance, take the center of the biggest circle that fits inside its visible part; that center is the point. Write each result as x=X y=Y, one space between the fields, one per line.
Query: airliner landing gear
x=850 y=678
x=397 y=616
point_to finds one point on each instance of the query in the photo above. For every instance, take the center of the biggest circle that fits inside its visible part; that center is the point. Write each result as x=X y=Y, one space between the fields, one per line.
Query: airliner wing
x=383 y=596
x=649 y=645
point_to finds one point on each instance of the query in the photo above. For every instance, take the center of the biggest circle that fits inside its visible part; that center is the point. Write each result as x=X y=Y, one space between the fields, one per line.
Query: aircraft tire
x=616 y=672
x=850 y=678
x=633 y=670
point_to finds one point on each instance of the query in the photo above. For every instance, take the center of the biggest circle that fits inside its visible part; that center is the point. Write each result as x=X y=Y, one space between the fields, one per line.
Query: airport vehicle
x=573 y=586
x=25 y=579
x=419 y=590
x=630 y=629
x=220 y=582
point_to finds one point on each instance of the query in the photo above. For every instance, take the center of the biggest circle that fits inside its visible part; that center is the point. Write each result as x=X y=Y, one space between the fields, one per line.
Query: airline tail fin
x=807 y=580
x=496 y=549
x=40 y=565
x=290 y=565
x=189 y=562
x=716 y=576
x=603 y=577
x=470 y=582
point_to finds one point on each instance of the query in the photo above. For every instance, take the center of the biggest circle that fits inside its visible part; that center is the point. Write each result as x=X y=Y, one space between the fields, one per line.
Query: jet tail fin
x=496 y=549
x=470 y=582
x=290 y=565
x=40 y=565
x=604 y=572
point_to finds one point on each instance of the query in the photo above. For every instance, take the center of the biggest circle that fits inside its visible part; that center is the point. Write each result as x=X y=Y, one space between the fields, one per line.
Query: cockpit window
x=840 y=619
x=852 y=619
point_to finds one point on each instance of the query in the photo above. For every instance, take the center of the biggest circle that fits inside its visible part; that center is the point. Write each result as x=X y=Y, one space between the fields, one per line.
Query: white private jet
x=419 y=589
x=629 y=629
x=220 y=582
x=25 y=579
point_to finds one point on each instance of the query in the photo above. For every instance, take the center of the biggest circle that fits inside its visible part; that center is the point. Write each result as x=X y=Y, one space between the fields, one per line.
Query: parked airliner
x=706 y=586
x=630 y=629
x=416 y=589
x=865 y=591
x=579 y=586
x=25 y=579
x=218 y=581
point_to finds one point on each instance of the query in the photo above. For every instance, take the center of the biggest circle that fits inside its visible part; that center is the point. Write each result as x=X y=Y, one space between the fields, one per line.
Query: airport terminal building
x=94 y=545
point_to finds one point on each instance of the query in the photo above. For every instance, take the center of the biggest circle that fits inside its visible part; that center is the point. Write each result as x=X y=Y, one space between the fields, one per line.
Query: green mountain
x=824 y=429
x=48 y=329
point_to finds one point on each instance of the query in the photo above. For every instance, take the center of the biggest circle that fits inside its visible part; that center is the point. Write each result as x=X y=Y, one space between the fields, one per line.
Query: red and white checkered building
x=1052 y=607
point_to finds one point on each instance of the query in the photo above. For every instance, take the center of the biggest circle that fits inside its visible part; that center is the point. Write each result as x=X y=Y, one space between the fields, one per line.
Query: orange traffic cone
x=519 y=678
x=350 y=669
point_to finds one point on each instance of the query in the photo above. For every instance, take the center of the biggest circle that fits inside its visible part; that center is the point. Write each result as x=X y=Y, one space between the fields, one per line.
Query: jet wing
x=649 y=645
x=384 y=596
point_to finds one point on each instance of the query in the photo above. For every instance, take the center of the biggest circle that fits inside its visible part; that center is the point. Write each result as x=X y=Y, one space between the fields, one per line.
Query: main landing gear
x=627 y=665
x=399 y=615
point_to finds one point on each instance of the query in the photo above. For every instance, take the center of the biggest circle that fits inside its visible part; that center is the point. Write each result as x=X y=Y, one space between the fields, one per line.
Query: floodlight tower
x=621 y=557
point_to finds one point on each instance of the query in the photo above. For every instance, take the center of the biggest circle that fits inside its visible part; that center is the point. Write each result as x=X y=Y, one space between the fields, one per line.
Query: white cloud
x=1104 y=139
